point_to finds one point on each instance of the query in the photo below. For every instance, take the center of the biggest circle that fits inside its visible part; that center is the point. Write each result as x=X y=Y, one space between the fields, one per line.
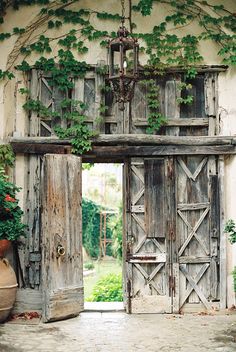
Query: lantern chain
x=123 y=11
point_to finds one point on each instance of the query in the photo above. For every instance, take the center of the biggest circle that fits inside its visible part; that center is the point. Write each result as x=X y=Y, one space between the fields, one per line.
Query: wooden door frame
x=219 y=146
x=223 y=242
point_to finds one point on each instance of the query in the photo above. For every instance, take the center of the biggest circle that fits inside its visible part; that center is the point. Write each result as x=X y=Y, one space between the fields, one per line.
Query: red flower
x=7 y=209
x=8 y=198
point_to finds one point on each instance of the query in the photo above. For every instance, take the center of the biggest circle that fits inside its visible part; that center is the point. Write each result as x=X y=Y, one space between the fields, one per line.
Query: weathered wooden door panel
x=147 y=247
x=172 y=226
x=197 y=229
x=62 y=268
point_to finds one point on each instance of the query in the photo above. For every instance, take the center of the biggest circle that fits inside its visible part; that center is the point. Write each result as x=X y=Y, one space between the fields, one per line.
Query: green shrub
x=234 y=276
x=91 y=228
x=230 y=228
x=89 y=266
x=108 y=289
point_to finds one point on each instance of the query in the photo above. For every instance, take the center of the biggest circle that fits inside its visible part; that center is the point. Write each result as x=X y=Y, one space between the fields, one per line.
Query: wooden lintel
x=147 y=151
x=31 y=148
x=133 y=139
x=121 y=152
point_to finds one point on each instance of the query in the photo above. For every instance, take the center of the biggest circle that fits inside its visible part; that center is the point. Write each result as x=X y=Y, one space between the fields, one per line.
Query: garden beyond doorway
x=102 y=233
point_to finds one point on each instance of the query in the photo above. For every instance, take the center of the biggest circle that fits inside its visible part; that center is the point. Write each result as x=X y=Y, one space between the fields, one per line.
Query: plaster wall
x=13 y=119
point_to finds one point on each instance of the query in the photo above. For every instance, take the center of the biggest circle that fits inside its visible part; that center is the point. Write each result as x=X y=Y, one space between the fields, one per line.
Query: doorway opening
x=102 y=213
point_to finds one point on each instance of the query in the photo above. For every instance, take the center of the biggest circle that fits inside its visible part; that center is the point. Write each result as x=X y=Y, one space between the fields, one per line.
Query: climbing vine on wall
x=7 y=157
x=162 y=46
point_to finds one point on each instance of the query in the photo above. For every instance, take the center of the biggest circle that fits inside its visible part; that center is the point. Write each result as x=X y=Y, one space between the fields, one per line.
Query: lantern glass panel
x=115 y=63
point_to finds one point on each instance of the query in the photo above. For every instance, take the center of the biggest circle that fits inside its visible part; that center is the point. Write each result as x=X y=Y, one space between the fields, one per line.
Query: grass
x=101 y=268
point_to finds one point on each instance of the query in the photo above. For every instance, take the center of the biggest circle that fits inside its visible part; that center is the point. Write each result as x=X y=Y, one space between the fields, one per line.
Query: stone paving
x=119 y=332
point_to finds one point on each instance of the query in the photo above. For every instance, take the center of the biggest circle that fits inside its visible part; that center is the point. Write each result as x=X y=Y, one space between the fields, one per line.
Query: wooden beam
x=31 y=148
x=146 y=151
x=177 y=122
x=134 y=139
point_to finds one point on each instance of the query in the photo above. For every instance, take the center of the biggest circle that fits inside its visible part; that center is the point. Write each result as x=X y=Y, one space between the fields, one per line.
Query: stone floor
x=119 y=332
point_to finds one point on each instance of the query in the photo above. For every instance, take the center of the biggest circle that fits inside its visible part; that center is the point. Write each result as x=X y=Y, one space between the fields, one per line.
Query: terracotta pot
x=4 y=246
x=8 y=287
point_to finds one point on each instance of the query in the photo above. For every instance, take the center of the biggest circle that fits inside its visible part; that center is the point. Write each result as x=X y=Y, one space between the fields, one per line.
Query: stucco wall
x=14 y=120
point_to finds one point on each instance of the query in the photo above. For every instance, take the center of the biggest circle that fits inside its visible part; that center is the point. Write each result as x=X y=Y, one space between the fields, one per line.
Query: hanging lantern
x=123 y=65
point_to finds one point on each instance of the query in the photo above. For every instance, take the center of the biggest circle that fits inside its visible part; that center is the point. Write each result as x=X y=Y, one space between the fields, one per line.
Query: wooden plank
x=89 y=97
x=141 y=139
x=34 y=126
x=194 y=259
x=123 y=152
x=41 y=149
x=223 y=240
x=198 y=121
x=199 y=308
x=65 y=303
x=151 y=304
x=126 y=151
x=28 y=300
x=62 y=275
x=32 y=200
x=215 y=206
x=99 y=124
x=176 y=292
x=210 y=102
x=154 y=197
x=214 y=279
x=137 y=209
x=193 y=206
x=172 y=108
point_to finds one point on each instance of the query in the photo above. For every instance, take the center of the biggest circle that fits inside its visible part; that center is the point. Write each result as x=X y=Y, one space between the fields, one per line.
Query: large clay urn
x=8 y=287
x=4 y=246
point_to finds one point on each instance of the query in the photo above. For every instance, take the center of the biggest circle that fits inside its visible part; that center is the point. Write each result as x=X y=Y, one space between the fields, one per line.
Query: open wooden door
x=62 y=266
x=149 y=189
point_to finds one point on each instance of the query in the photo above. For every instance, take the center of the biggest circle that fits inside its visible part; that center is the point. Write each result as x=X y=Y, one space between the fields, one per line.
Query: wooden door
x=172 y=223
x=197 y=245
x=62 y=267
x=148 y=187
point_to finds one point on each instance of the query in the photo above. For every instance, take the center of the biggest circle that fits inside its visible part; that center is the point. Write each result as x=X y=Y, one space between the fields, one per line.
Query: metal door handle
x=61 y=250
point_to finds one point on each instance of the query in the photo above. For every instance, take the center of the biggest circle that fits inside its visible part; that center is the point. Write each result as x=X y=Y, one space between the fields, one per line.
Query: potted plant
x=11 y=226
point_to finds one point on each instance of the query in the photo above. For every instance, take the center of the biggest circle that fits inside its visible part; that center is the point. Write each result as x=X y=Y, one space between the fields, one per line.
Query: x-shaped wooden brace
x=192 y=176
x=193 y=285
x=140 y=193
x=144 y=239
x=193 y=231
x=149 y=278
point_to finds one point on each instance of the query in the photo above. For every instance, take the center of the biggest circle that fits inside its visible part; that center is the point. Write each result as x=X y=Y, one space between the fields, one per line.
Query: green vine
x=7 y=156
x=155 y=118
x=76 y=129
x=162 y=45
